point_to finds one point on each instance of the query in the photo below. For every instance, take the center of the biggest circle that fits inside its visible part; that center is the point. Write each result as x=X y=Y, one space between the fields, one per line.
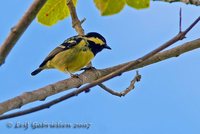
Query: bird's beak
x=107 y=47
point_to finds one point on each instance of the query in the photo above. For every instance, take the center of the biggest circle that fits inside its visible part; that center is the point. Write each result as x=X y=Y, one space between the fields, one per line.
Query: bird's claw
x=74 y=75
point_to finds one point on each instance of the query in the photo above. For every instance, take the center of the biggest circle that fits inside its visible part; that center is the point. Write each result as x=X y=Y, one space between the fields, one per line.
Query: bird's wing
x=67 y=44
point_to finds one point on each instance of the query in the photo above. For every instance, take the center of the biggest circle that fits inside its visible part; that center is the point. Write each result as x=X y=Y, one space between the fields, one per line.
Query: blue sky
x=165 y=101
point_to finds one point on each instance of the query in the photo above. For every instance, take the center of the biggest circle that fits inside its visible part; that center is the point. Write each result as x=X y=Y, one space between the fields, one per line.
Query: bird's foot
x=74 y=75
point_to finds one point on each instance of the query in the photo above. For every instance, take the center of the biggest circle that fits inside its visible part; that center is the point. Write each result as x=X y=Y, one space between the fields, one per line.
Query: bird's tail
x=36 y=71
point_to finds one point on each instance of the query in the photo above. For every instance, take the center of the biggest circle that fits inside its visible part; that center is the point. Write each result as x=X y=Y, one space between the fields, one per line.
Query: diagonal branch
x=19 y=29
x=69 y=95
x=101 y=75
x=42 y=93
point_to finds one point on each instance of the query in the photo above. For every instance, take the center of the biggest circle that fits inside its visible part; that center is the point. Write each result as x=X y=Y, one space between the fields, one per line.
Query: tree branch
x=174 y=52
x=76 y=23
x=127 y=90
x=19 y=29
x=92 y=74
x=69 y=95
x=101 y=75
x=192 y=2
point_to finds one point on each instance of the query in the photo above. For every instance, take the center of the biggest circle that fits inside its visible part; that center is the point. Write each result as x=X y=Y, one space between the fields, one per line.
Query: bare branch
x=69 y=95
x=76 y=23
x=102 y=75
x=127 y=90
x=192 y=2
x=41 y=107
x=92 y=75
x=19 y=29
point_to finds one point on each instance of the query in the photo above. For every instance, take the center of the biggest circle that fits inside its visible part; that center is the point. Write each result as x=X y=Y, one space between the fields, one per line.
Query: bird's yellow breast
x=73 y=59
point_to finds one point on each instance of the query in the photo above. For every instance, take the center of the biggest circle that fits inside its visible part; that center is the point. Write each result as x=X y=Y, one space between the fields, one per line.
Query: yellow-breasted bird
x=74 y=53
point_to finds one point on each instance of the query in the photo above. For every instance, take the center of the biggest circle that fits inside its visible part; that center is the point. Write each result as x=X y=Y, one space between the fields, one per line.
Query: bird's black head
x=96 y=42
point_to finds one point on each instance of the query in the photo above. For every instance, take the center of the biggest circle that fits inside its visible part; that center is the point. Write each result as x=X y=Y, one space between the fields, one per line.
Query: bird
x=74 y=53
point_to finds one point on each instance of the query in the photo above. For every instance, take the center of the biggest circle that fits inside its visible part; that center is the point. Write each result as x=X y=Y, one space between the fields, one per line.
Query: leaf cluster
x=55 y=10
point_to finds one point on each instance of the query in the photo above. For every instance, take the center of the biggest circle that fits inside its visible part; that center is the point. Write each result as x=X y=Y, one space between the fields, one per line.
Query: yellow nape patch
x=96 y=40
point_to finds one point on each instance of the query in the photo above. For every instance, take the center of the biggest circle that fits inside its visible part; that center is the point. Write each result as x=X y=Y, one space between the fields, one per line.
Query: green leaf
x=109 y=7
x=138 y=4
x=53 y=11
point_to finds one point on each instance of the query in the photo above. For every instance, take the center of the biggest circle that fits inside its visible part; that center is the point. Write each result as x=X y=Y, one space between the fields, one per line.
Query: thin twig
x=127 y=90
x=180 y=20
x=76 y=23
x=83 y=20
x=120 y=70
x=19 y=29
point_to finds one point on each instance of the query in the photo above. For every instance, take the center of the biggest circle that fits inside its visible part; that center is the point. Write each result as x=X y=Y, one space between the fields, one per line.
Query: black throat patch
x=95 y=48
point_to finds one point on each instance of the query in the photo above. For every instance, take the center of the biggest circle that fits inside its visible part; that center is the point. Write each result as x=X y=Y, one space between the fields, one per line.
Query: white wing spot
x=61 y=46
